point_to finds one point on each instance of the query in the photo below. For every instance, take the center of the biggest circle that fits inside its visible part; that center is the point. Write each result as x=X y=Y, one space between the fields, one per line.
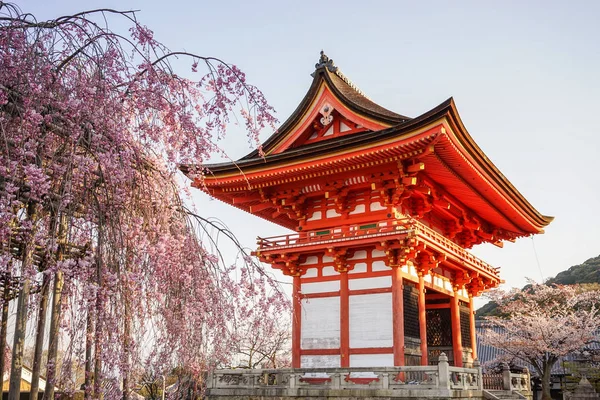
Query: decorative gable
x=327 y=118
x=331 y=125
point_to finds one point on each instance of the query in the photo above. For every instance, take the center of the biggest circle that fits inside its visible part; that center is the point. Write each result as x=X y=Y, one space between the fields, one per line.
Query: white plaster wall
x=320 y=287
x=320 y=325
x=358 y=268
x=378 y=253
x=319 y=362
x=331 y=213
x=310 y=273
x=376 y=206
x=371 y=360
x=329 y=271
x=316 y=215
x=359 y=255
x=359 y=209
x=371 y=320
x=379 y=266
x=370 y=283
x=448 y=285
x=310 y=260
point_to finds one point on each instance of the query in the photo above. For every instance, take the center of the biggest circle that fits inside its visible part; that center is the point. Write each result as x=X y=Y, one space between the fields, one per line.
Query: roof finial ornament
x=327 y=62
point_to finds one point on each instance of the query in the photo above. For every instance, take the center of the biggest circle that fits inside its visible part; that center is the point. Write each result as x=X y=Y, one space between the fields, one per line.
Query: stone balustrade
x=433 y=381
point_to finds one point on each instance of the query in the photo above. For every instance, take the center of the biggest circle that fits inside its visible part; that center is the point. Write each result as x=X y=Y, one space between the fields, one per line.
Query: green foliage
x=586 y=274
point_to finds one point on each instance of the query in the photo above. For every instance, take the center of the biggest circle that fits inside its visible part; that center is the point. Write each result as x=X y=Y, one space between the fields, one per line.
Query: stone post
x=292 y=382
x=335 y=380
x=477 y=366
x=385 y=380
x=443 y=371
x=506 y=382
x=210 y=380
x=527 y=379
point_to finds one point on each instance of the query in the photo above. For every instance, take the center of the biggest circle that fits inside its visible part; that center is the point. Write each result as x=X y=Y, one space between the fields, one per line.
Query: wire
x=537 y=260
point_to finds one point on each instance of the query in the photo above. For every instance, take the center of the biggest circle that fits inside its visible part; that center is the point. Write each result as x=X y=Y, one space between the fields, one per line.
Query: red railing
x=407 y=226
x=334 y=234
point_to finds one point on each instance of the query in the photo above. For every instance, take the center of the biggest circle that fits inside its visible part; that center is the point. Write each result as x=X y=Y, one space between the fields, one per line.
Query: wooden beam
x=456 y=335
x=398 y=316
x=409 y=180
x=245 y=199
x=416 y=167
x=260 y=207
x=423 y=320
x=296 y=323
x=344 y=321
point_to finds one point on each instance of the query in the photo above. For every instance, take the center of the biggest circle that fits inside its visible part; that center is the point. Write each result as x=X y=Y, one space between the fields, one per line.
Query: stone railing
x=440 y=376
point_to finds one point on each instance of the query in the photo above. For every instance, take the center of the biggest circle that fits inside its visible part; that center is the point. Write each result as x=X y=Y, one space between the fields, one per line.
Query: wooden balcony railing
x=406 y=226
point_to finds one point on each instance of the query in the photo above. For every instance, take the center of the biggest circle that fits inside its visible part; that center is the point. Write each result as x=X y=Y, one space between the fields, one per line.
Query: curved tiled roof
x=329 y=74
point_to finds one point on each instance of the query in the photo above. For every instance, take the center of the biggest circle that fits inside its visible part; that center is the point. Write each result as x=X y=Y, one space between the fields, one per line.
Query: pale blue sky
x=523 y=74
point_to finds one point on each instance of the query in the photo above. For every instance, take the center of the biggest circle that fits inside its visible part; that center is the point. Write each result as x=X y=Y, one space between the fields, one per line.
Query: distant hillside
x=588 y=272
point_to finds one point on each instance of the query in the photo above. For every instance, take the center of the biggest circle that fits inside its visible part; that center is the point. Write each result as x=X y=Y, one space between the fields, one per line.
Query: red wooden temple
x=383 y=208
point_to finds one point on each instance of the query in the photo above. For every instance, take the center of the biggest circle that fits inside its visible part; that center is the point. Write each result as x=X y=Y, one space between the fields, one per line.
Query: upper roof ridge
x=327 y=63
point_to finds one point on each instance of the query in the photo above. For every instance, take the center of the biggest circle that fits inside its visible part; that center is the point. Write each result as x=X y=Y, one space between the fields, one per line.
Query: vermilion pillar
x=456 y=336
x=472 y=326
x=344 y=321
x=422 y=320
x=398 y=315
x=296 y=323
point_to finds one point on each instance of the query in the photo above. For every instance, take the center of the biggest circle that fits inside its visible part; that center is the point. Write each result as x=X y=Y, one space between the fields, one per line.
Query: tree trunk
x=16 y=367
x=89 y=331
x=59 y=282
x=98 y=311
x=54 y=336
x=98 y=346
x=546 y=382
x=126 y=345
x=39 y=339
x=4 y=326
x=14 y=391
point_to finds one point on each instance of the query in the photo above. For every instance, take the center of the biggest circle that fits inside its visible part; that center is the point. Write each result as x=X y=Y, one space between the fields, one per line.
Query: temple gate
x=383 y=208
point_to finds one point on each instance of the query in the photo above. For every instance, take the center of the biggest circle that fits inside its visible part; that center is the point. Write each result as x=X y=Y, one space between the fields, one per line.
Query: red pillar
x=456 y=336
x=398 y=315
x=472 y=326
x=296 y=323
x=423 y=320
x=344 y=321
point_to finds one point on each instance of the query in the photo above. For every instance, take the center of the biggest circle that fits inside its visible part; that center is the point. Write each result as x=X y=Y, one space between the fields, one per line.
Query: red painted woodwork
x=296 y=323
x=301 y=131
x=422 y=320
x=319 y=352
x=398 y=316
x=418 y=190
x=472 y=327
x=372 y=350
x=356 y=350
x=344 y=321
x=456 y=335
